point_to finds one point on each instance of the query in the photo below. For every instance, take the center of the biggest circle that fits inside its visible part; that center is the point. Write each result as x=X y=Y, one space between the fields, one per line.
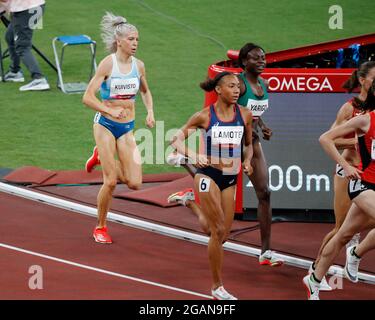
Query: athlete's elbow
x=323 y=139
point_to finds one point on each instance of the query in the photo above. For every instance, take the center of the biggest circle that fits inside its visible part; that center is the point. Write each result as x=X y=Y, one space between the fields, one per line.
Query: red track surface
x=66 y=235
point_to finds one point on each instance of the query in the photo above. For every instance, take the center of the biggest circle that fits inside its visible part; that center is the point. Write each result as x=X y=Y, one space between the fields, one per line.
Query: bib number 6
x=204 y=185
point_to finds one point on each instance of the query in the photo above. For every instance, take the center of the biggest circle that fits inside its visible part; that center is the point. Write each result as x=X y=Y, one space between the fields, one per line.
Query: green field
x=178 y=41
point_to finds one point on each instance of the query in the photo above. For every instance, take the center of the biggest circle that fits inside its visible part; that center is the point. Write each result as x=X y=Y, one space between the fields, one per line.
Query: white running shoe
x=176 y=159
x=222 y=294
x=324 y=286
x=354 y=241
x=312 y=288
x=268 y=259
x=351 y=265
x=182 y=196
x=36 y=85
x=14 y=76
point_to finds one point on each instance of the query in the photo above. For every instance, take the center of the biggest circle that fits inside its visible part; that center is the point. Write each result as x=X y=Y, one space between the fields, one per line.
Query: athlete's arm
x=90 y=99
x=343 y=115
x=267 y=132
x=359 y=125
x=198 y=120
x=146 y=95
x=248 y=151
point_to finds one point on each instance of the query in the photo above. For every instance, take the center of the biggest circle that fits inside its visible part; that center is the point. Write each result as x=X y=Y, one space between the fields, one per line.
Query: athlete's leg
x=367 y=244
x=129 y=166
x=197 y=210
x=259 y=179
x=357 y=219
x=106 y=144
x=213 y=212
x=341 y=205
x=228 y=205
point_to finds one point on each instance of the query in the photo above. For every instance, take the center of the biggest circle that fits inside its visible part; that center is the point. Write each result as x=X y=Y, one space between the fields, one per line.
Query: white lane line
x=115 y=274
x=167 y=231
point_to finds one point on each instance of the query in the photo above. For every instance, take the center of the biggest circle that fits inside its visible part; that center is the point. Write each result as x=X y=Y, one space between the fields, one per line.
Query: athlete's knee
x=218 y=232
x=134 y=185
x=110 y=182
x=264 y=194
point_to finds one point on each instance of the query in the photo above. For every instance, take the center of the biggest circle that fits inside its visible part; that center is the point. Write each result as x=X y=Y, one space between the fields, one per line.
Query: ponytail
x=210 y=84
x=363 y=70
x=114 y=27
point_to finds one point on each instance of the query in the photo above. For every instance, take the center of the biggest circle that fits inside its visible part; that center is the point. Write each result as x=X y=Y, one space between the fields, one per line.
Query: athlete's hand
x=247 y=168
x=352 y=173
x=150 y=120
x=118 y=114
x=267 y=133
x=201 y=161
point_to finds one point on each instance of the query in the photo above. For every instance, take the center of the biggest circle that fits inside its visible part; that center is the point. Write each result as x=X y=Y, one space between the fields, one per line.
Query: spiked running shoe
x=324 y=286
x=222 y=294
x=312 y=288
x=93 y=161
x=351 y=265
x=101 y=235
x=182 y=196
x=268 y=259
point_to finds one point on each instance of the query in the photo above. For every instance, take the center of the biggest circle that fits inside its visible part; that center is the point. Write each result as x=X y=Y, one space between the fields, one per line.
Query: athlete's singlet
x=119 y=85
x=256 y=104
x=367 y=151
x=223 y=139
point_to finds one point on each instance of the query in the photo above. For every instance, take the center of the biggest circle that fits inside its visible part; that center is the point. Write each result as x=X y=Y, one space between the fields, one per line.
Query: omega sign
x=300 y=84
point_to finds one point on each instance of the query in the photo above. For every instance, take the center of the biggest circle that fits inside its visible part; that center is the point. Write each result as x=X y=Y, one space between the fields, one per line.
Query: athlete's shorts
x=340 y=171
x=223 y=181
x=358 y=186
x=118 y=129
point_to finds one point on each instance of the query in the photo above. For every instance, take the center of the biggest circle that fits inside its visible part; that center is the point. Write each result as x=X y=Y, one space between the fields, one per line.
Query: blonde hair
x=114 y=27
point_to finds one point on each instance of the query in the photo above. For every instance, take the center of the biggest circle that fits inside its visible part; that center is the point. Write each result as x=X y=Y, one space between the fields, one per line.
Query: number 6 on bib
x=204 y=185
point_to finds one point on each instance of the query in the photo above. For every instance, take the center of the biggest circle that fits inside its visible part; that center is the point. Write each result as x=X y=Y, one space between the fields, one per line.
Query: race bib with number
x=355 y=185
x=340 y=171
x=204 y=185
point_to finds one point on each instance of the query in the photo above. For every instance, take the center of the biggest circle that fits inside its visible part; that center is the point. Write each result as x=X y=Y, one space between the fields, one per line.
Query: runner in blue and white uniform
x=119 y=78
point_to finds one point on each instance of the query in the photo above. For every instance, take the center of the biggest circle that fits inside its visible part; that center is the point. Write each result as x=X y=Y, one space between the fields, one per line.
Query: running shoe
x=101 y=235
x=351 y=265
x=36 y=85
x=182 y=196
x=324 y=286
x=268 y=259
x=222 y=294
x=312 y=288
x=354 y=241
x=93 y=161
x=14 y=76
x=176 y=159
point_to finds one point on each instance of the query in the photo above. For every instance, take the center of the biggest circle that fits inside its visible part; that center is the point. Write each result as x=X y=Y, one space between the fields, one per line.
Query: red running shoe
x=93 y=161
x=100 y=235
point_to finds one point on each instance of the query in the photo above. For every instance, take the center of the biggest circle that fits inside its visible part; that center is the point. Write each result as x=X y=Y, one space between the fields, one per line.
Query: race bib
x=226 y=135
x=257 y=107
x=204 y=185
x=340 y=171
x=124 y=87
x=355 y=185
